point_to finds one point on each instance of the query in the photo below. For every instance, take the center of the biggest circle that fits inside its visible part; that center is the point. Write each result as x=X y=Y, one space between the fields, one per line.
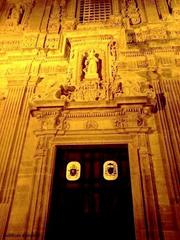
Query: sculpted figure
x=91 y=64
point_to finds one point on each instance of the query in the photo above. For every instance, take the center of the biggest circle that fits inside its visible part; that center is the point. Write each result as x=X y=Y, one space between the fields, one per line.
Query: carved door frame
x=131 y=141
x=125 y=125
x=143 y=210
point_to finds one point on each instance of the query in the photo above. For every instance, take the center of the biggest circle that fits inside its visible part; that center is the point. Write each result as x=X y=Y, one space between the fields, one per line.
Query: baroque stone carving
x=130 y=13
x=61 y=123
x=18 y=13
x=121 y=122
x=91 y=66
x=115 y=20
x=133 y=12
x=150 y=33
x=113 y=59
x=47 y=118
x=134 y=87
x=15 y=15
x=90 y=90
x=69 y=24
x=29 y=40
x=42 y=146
x=50 y=89
x=56 y=16
x=132 y=117
x=91 y=124
x=65 y=92
x=48 y=121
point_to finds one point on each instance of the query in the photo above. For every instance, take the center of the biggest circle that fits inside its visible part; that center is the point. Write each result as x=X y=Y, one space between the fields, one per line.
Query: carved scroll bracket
x=47 y=118
x=134 y=119
x=52 y=121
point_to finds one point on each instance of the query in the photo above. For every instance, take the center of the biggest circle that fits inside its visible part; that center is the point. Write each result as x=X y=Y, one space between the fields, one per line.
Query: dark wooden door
x=91 y=206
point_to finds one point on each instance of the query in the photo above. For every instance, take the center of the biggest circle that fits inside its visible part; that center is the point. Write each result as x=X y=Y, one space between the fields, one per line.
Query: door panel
x=91 y=204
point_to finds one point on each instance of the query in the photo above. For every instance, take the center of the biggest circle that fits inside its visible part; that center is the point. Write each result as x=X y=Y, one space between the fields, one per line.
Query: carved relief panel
x=56 y=14
x=16 y=14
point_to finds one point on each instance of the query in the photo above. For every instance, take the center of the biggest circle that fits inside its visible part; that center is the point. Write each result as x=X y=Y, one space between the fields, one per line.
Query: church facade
x=89 y=80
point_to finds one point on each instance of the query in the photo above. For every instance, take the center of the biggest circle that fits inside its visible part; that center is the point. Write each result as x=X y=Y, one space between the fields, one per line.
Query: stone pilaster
x=162 y=8
x=148 y=190
x=167 y=110
x=14 y=124
x=151 y=11
x=45 y=19
x=35 y=21
x=116 y=9
x=71 y=9
x=168 y=223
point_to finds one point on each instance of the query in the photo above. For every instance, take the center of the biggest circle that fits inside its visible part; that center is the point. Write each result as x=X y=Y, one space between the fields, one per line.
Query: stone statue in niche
x=91 y=66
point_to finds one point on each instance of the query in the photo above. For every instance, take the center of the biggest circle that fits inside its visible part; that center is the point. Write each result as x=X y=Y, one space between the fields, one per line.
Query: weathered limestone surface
x=100 y=82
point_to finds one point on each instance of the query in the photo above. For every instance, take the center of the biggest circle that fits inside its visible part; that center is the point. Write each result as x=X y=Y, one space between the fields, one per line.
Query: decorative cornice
x=58 y=121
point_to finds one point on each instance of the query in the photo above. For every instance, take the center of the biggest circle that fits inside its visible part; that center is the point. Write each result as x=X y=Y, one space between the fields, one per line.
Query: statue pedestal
x=91 y=76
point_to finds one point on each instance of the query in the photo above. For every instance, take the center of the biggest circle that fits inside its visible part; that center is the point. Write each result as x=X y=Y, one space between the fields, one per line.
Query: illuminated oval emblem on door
x=110 y=170
x=73 y=171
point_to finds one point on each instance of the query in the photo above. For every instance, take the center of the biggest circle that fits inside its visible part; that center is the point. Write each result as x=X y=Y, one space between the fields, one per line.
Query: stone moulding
x=58 y=117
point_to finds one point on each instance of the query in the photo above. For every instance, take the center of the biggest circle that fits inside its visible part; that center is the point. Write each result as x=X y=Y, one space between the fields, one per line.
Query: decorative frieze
x=61 y=120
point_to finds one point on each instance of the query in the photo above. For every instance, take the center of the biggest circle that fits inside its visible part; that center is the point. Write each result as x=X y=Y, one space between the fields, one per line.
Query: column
x=43 y=162
x=36 y=16
x=141 y=11
x=69 y=16
x=11 y=142
x=46 y=16
x=149 y=191
x=163 y=8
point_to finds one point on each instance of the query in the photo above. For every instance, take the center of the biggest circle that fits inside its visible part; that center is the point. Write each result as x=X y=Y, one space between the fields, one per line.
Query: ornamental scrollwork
x=133 y=117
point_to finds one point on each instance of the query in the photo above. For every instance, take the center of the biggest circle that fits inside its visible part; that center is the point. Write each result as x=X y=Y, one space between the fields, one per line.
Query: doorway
x=97 y=203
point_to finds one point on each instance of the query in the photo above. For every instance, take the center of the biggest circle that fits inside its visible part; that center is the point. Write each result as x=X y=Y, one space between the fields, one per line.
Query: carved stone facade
x=112 y=81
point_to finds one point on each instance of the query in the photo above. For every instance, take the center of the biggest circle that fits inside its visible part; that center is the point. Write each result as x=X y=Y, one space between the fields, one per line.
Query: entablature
x=60 y=117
